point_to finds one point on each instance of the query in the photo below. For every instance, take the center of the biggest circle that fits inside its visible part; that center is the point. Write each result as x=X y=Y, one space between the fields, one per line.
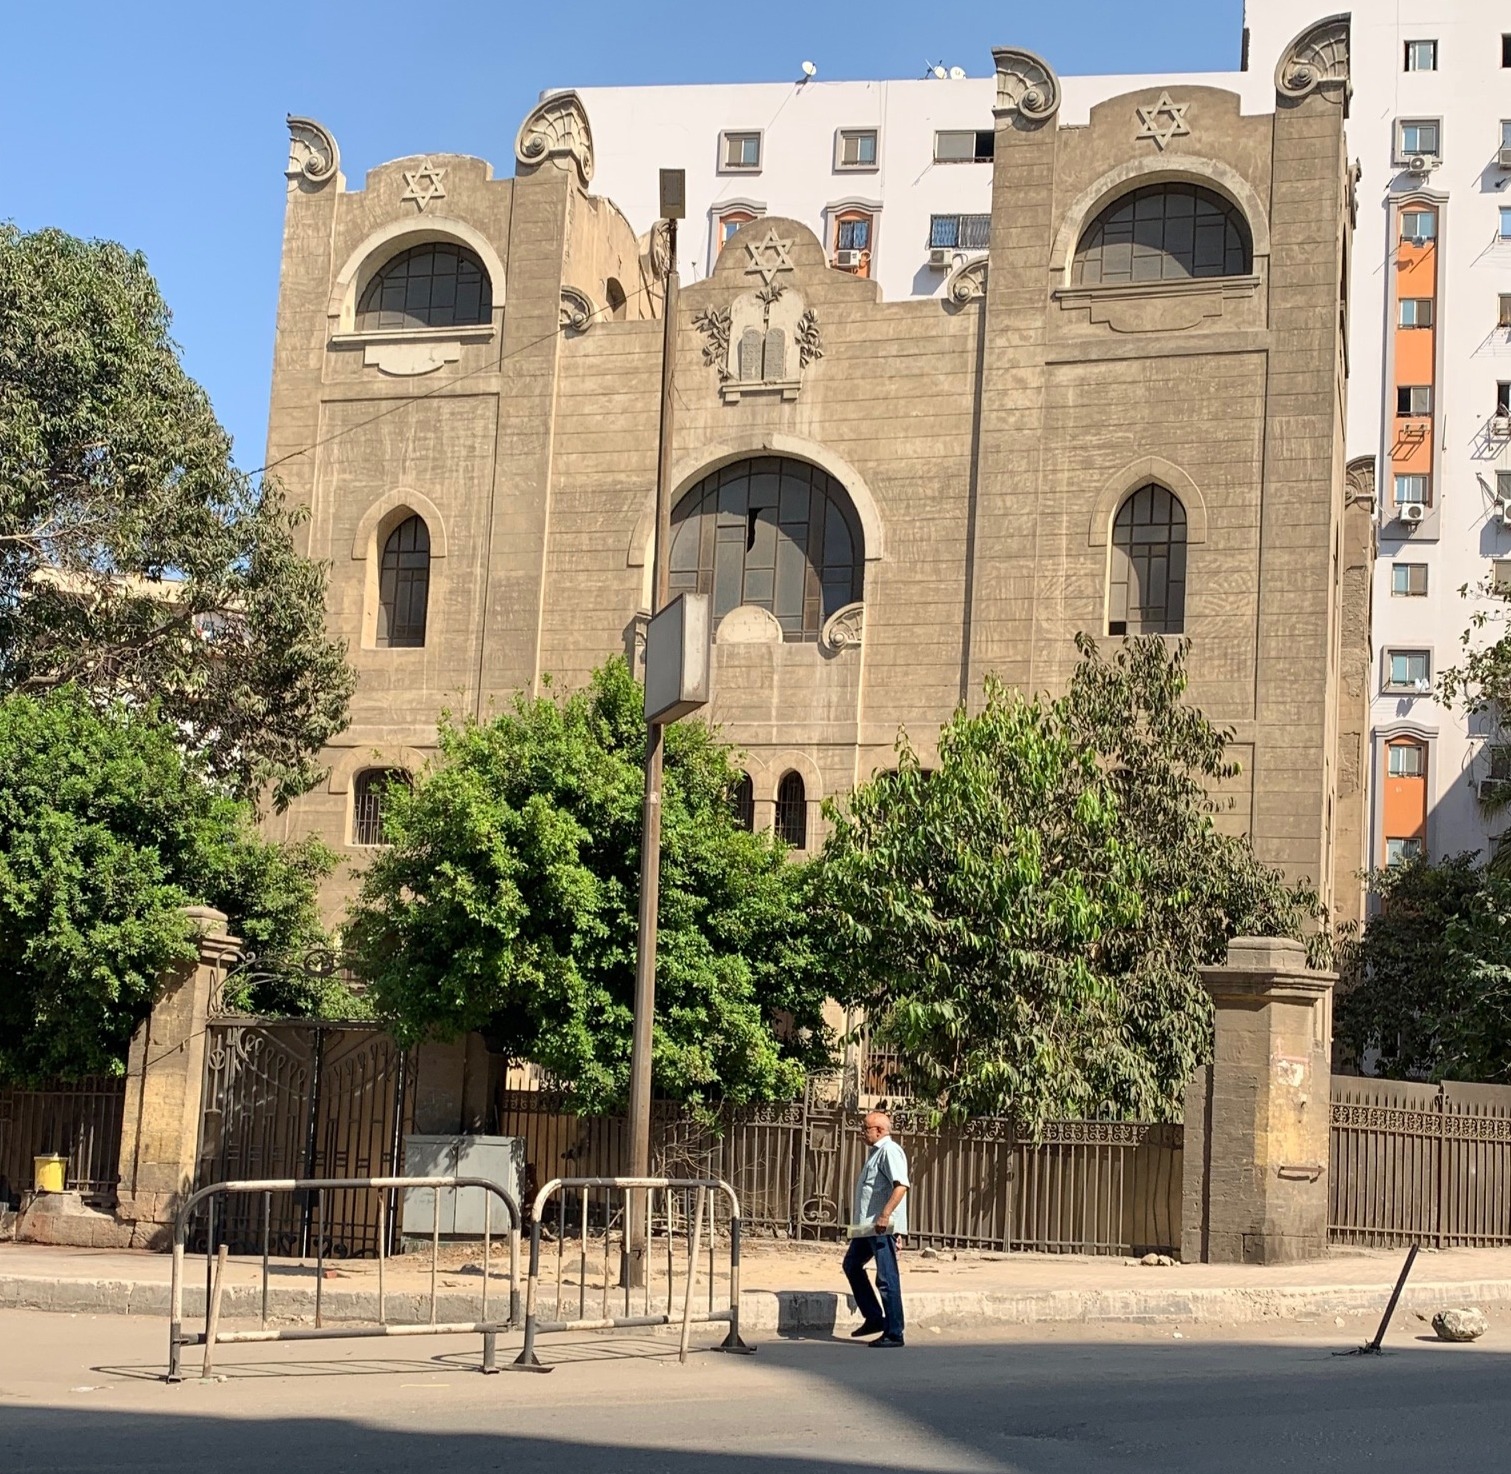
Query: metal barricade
x=215 y=1263
x=629 y=1204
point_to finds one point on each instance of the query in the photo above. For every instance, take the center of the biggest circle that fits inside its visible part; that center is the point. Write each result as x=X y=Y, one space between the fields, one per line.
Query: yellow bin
x=47 y=1173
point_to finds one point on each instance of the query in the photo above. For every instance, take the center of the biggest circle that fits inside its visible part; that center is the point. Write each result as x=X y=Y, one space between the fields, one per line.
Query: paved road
x=79 y=1393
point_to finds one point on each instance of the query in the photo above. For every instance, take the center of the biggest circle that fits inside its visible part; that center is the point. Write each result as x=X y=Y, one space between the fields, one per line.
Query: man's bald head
x=877 y=1125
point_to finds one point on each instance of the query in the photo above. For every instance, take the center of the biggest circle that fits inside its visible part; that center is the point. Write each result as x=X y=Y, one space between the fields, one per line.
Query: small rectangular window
x=1408 y=580
x=740 y=152
x=856 y=149
x=960 y=232
x=1506 y=51
x=1405 y=760
x=1500 y=761
x=1414 y=399
x=1419 y=226
x=1399 y=851
x=964 y=146
x=1500 y=574
x=1503 y=398
x=1503 y=485
x=1505 y=223
x=1421 y=56
x=1418 y=136
x=1416 y=312
x=1408 y=670
x=1411 y=490
x=1506 y=132
x=1505 y=310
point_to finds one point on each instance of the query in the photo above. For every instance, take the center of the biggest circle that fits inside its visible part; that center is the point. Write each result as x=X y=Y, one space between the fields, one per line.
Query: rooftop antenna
x=934 y=69
x=809 y=70
x=957 y=74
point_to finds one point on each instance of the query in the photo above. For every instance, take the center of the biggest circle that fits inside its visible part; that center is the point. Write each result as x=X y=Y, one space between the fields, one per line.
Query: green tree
x=1427 y=986
x=106 y=830
x=136 y=561
x=506 y=902
x=1025 y=923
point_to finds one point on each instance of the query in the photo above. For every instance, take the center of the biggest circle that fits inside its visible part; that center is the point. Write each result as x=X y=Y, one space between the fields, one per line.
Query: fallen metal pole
x=1372 y=1348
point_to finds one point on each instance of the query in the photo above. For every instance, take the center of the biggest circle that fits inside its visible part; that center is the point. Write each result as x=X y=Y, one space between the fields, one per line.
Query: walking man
x=880 y=1202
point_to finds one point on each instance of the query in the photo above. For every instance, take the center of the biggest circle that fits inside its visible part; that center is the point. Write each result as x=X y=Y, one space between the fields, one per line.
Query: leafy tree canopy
x=507 y=899
x=1428 y=984
x=1025 y=923
x=135 y=559
x=106 y=830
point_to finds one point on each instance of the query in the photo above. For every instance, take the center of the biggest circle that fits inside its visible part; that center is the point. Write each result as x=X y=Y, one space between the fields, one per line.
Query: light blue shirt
x=886 y=1167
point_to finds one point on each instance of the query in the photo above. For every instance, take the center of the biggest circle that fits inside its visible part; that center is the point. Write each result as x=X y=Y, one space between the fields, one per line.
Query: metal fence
x=1420 y=1164
x=1083 y=1187
x=81 y=1121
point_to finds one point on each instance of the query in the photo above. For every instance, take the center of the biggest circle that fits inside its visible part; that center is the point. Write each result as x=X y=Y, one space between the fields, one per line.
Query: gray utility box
x=500 y=1159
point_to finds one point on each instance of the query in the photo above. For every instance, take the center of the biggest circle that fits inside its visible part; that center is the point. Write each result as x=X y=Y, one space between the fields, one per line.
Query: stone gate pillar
x=165 y=1078
x=1257 y=1119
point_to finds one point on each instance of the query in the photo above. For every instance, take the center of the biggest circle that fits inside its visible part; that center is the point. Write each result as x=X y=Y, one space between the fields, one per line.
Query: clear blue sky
x=161 y=125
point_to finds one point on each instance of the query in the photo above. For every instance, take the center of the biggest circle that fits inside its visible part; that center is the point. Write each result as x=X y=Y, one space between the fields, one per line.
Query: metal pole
x=650 y=834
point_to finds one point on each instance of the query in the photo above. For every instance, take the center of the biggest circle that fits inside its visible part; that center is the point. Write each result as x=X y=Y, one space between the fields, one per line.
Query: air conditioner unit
x=1503 y=513
x=847 y=260
x=1504 y=158
x=1500 y=426
x=1489 y=790
x=1412 y=512
x=1421 y=164
x=942 y=258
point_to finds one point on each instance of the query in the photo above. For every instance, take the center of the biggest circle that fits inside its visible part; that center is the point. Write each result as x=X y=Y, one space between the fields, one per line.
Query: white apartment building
x=1430 y=381
x=894 y=177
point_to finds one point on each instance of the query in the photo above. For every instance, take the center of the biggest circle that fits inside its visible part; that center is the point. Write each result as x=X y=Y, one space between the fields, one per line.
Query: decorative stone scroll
x=557 y=132
x=968 y=281
x=1026 y=85
x=1318 y=59
x=313 y=154
x=844 y=628
x=578 y=311
x=1360 y=479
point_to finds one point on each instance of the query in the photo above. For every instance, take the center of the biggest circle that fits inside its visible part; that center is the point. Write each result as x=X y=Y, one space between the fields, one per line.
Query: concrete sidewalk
x=799 y=1289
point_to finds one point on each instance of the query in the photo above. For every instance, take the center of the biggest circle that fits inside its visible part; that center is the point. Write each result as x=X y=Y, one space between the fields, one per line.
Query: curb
x=799 y=1311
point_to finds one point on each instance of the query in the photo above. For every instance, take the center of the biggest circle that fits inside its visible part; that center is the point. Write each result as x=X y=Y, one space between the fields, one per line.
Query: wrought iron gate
x=302 y=1099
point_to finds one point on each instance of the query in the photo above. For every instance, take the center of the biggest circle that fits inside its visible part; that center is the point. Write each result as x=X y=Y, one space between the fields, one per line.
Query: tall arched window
x=1164 y=232
x=369 y=789
x=742 y=802
x=792 y=811
x=1147 y=591
x=773 y=532
x=437 y=285
x=614 y=298
x=404 y=585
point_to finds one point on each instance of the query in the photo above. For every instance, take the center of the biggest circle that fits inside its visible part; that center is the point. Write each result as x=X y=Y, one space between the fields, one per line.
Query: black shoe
x=871 y=1328
x=888 y=1342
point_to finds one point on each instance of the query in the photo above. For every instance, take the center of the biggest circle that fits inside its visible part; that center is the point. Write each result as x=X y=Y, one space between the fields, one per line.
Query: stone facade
x=983 y=444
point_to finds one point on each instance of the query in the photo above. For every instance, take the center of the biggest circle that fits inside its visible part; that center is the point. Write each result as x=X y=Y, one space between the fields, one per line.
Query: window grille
x=792 y=811
x=742 y=802
x=368 y=793
x=960 y=232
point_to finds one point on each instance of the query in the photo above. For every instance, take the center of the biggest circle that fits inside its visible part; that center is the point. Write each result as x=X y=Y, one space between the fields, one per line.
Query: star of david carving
x=424 y=184
x=1174 y=125
x=768 y=256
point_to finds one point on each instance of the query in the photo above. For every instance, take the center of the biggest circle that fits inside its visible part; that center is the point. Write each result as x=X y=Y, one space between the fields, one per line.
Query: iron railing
x=1419 y=1164
x=79 y=1120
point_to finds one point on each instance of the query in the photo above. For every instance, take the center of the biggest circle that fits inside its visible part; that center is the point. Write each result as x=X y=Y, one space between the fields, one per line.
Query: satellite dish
x=940 y=73
x=957 y=74
x=809 y=70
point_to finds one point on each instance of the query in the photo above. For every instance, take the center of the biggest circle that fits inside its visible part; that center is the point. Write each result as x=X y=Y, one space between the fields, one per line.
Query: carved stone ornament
x=968 y=281
x=659 y=250
x=424 y=184
x=844 y=628
x=714 y=325
x=1316 y=59
x=1162 y=122
x=557 y=132
x=1026 y=85
x=578 y=311
x=768 y=256
x=313 y=154
x=762 y=342
x=1359 y=478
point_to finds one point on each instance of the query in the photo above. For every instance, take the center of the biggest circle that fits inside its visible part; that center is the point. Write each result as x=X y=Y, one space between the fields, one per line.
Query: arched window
x=1164 y=232
x=728 y=223
x=404 y=585
x=614 y=296
x=1147 y=592
x=437 y=285
x=368 y=792
x=773 y=532
x=742 y=802
x=792 y=811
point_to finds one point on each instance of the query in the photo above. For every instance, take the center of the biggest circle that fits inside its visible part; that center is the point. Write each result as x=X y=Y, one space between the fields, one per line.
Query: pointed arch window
x=792 y=811
x=1147 y=589
x=438 y=285
x=404 y=585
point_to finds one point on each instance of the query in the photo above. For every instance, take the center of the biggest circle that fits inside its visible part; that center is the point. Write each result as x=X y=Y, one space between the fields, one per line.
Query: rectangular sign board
x=677 y=659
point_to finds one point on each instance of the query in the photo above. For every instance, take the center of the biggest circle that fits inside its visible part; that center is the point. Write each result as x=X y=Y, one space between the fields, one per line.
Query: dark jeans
x=882 y=1248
